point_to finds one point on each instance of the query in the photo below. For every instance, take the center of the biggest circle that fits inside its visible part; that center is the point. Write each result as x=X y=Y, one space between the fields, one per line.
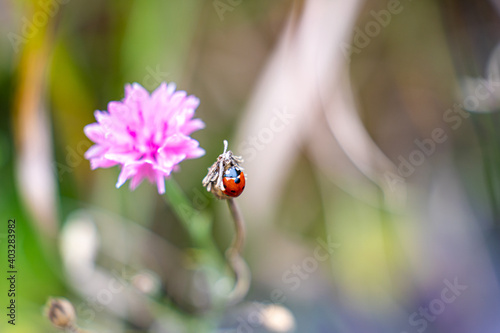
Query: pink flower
x=148 y=135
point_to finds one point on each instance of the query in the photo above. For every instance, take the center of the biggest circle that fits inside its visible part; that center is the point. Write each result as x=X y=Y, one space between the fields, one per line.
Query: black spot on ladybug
x=237 y=181
x=232 y=191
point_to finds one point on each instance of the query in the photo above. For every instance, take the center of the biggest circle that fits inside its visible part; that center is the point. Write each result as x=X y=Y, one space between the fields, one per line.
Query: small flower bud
x=60 y=312
x=225 y=172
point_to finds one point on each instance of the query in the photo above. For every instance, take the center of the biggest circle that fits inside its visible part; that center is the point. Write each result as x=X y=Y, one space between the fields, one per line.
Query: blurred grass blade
x=32 y=133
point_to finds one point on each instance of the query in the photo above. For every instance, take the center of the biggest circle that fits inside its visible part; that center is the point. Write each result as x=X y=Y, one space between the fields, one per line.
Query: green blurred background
x=359 y=127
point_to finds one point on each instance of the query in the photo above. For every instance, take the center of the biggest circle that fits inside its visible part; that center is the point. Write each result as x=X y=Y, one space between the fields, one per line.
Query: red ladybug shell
x=233 y=181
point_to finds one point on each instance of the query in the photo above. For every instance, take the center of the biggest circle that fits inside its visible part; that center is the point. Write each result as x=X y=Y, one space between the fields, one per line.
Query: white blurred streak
x=290 y=80
x=119 y=266
x=78 y=244
x=34 y=173
x=338 y=171
x=469 y=85
x=484 y=93
x=350 y=133
x=115 y=289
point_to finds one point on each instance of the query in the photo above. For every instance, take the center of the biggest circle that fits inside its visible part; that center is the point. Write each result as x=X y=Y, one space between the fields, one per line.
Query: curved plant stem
x=233 y=255
x=198 y=227
x=239 y=225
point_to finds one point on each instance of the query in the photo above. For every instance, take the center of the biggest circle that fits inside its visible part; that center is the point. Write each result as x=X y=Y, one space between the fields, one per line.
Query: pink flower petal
x=147 y=134
x=136 y=181
x=94 y=132
x=128 y=171
x=195 y=153
x=101 y=163
x=192 y=126
x=95 y=151
x=160 y=183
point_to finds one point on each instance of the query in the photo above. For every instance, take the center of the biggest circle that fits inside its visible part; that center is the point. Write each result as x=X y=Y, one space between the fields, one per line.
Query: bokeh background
x=372 y=160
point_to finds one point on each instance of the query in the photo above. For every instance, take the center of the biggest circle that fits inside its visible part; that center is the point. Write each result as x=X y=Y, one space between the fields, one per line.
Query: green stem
x=198 y=227
x=196 y=224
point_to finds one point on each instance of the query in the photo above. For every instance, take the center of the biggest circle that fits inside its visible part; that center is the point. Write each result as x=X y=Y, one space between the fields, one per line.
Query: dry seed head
x=213 y=179
x=60 y=312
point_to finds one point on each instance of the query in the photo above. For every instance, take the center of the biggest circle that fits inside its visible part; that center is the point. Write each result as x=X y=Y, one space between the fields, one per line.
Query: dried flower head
x=60 y=312
x=147 y=134
x=225 y=178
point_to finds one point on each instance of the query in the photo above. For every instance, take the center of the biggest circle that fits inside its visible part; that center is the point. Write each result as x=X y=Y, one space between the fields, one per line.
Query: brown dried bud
x=60 y=312
x=213 y=181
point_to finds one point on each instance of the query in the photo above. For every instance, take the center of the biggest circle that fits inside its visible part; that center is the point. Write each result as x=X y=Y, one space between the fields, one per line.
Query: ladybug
x=233 y=181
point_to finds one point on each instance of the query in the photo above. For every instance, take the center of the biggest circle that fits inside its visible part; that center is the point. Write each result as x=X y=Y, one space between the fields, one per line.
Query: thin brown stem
x=240 y=231
x=233 y=255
